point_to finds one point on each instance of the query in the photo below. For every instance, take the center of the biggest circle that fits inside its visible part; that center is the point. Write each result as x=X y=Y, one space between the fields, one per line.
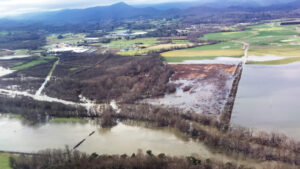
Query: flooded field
x=236 y=60
x=13 y=57
x=197 y=87
x=267 y=99
x=4 y=71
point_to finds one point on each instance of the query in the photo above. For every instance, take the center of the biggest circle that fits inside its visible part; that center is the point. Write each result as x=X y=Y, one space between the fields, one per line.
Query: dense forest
x=22 y=40
x=107 y=77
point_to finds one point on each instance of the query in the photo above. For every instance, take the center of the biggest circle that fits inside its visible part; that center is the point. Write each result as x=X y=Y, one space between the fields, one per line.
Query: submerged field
x=197 y=85
x=268 y=99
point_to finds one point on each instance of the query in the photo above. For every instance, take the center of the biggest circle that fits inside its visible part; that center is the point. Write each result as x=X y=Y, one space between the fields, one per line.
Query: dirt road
x=39 y=92
x=246 y=48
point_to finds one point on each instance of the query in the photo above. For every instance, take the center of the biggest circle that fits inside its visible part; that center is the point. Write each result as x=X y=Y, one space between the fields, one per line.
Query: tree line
x=67 y=159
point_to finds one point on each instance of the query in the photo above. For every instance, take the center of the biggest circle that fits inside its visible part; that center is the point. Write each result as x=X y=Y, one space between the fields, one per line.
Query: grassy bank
x=4 y=161
x=68 y=120
x=30 y=64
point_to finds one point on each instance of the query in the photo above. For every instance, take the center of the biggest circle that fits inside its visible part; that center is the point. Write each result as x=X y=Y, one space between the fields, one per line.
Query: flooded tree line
x=38 y=111
x=207 y=129
x=264 y=146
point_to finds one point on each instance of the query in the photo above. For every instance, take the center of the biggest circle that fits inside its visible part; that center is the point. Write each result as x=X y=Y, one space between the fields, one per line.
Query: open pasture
x=167 y=46
x=142 y=46
x=123 y=43
x=199 y=53
x=68 y=38
x=4 y=161
x=207 y=51
x=30 y=64
x=226 y=36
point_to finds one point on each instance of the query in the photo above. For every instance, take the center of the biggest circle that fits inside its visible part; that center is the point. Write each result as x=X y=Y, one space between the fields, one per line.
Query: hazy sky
x=12 y=7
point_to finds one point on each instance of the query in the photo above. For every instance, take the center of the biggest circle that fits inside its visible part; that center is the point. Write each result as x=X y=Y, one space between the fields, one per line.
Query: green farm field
x=30 y=64
x=142 y=46
x=207 y=51
x=68 y=38
x=4 y=161
x=265 y=39
x=123 y=43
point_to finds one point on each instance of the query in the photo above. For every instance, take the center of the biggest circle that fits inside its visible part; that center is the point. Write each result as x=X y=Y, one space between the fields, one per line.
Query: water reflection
x=126 y=137
x=268 y=99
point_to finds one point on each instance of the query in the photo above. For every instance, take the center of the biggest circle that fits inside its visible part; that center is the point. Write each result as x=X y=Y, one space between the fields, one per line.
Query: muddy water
x=126 y=137
x=268 y=99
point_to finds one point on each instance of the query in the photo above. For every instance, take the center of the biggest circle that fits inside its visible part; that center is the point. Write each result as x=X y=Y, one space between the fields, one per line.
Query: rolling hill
x=114 y=12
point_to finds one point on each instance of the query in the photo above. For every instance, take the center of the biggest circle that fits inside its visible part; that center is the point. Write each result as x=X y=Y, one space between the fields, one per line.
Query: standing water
x=13 y=57
x=127 y=137
x=268 y=99
x=4 y=71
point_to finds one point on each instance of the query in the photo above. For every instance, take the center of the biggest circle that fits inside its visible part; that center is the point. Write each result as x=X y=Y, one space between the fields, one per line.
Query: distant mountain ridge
x=216 y=4
x=122 y=11
x=116 y=11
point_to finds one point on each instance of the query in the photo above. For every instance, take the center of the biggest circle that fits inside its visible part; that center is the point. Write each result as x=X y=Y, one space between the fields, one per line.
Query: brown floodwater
x=126 y=137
